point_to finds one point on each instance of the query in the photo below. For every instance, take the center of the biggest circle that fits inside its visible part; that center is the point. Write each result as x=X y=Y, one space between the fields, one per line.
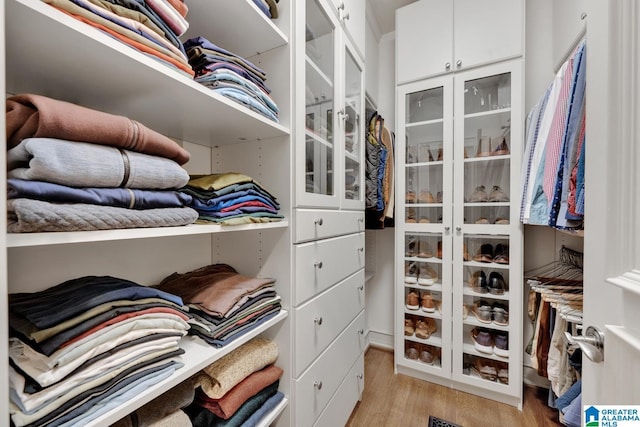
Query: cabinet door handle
x=360 y=249
x=361 y=288
x=360 y=376
x=447 y=229
x=317 y=264
x=360 y=219
x=346 y=16
x=317 y=320
x=459 y=63
x=318 y=221
x=458 y=229
x=447 y=66
x=317 y=385
x=341 y=6
x=361 y=331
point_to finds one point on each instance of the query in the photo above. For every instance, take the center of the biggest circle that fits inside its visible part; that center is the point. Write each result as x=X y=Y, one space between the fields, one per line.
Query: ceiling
x=385 y=12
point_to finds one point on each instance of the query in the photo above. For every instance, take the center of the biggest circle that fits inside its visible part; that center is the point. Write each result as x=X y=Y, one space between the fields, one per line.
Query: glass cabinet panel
x=319 y=101
x=425 y=156
x=486 y=151
x=353 y=135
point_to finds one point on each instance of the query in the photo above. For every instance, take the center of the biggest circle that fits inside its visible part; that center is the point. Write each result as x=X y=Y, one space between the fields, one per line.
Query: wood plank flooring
x=391 y=400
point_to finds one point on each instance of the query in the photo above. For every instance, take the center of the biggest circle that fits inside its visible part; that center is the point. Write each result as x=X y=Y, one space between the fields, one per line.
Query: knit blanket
x=30 y=115
x=29 y=216
x=80 y=164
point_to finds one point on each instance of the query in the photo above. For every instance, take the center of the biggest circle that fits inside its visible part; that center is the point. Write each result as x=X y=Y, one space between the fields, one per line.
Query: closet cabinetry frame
x=456 y=35
x=449 y=145
x=43 y=48
x=328 y=296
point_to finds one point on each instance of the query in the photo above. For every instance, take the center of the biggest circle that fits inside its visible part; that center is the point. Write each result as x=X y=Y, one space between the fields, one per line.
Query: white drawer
x=341 y=406
x=313 y=224
x=321 y=319
x=320 y=265
x=313 y=391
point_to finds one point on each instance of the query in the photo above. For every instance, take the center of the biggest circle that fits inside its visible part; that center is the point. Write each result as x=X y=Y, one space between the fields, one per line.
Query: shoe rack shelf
x=468 y=157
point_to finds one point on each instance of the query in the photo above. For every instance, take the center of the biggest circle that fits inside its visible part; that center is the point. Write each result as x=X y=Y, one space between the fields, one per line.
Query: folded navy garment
x=118 y=197
x=214 y=205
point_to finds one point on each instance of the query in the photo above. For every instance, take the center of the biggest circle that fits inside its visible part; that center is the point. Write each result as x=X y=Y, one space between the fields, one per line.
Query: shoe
x=465 y=253
x=501 y=255
x=412 y=154
x=411 y=351
x=409 y=328
x=424 y=220
x=410 y=246
x=496 y=283
x=424 y=154
x=478 y=282
x=438 y=306
x=411 y=273
x=440 y=155
x=428 y=304
x=410 y=196
x=439 y=250
x=412 y=301
x=501 y=344
x=424 y=248
x=484 y=147
x=482 y=339
x=482 y=220
x=485 y=254
x=466 y=155
x=483 y=311
x=425 y=327
x=500 y=314
x=500 y=143
x=465 y=311
x=426 y=355
x=503 y=372
x=501 y=221
x=497 y=195
x=439 y=197
x=486 y=369
x=426 y=197
x=479 y=195
x=427 y=276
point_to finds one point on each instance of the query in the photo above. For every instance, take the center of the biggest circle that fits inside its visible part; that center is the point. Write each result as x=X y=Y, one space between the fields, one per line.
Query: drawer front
x=313 y=224
x=320 y=265
x=321 y=319
x=341 y=406
x=316 y=387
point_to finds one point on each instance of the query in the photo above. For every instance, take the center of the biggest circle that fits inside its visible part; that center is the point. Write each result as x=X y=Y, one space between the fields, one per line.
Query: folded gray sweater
x=29 y=216
x=80 y=164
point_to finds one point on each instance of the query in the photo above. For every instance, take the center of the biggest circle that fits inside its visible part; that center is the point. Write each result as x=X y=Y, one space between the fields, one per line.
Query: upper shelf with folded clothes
x=62 y=57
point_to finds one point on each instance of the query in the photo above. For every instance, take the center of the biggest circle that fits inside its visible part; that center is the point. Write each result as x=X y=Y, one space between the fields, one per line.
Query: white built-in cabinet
x=436 y=37
x=458 y=287
x=52 y=54
x=328 y=296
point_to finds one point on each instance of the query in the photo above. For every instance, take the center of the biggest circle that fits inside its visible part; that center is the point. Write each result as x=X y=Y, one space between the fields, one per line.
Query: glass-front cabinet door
x=320 y=152
x=423 y=235
x=352 y=116
x=487 y=276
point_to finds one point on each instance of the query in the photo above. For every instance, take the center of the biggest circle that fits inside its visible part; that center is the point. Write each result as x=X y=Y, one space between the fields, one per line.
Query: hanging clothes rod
x=582 y=35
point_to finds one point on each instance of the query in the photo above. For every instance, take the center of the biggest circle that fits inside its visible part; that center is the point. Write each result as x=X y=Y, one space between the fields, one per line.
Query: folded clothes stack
x=231 y=76
x=231 y=198
x=71 y=168
x=268 y=7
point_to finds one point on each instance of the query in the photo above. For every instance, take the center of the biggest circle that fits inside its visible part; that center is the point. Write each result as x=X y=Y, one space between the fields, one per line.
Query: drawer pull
x=360 y=219
x=360 y=249
x=360 y=376
x=361 y=288
x=317 y=385
x=361 y=331
x=317 y=264
x=318 y=221
x=317 y=320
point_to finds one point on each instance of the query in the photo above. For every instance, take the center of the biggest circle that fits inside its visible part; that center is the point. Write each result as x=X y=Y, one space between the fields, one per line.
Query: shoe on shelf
x=426 y=197
x=501 y=254
x=424 y=220
x=496 y=282
x=478 y=282
x=501 y=344
x=483 y=340
x=440 y=154
x=413 y=302
x=439 y=250
x=424 y=154
x=428 y=303
x=410 y=273
x=411 y=244
x=482 y=220
x=500 y=314
x=501 y=221
x=465 y=311
x=484 y=147
x=465 y=253
x=486 y=369
x=426 y=354
x=424 y=248
x=439 y=197
x=411 y=350
x=483 y=311
x=410 y=196
x=503 y=371
x=485 y=254
x=479 y=195
x=409 y=328
x=501 y=147
x=497 y=195
x=427 y=276
x=425 y=327
x=412 y=154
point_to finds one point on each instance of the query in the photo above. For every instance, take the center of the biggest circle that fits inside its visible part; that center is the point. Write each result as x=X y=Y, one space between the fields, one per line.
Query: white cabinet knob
x=459 y=63
x=317 y=385
x=317 y=320
x=318 y=221
x=345 y=17
x=317 y=264
x=447 y=66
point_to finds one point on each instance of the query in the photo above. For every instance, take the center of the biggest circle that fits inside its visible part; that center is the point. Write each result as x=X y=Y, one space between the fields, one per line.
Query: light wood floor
x=399 y=400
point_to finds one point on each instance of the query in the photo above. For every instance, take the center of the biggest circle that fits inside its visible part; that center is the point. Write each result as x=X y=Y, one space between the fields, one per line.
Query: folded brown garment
x=30 y=115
